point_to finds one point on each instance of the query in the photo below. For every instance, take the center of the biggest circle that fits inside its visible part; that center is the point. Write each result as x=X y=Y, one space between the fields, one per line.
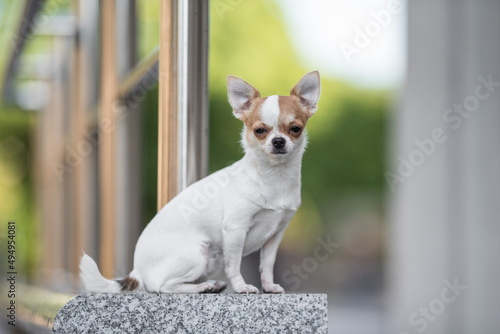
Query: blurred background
x=400 y=182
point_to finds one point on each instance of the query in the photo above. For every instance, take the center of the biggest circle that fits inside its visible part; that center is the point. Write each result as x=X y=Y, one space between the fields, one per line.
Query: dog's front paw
x=246 y=288
x=273 y=288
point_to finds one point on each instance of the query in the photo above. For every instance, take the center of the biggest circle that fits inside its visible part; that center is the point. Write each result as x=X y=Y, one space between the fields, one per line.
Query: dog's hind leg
x=219 y=286
x=205 y=287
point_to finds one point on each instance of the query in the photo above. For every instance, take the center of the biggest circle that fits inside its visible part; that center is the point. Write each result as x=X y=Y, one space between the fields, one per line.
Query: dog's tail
x=94 y=282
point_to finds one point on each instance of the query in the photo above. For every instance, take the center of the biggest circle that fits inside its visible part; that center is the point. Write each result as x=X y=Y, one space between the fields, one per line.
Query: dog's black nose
x=279 y=142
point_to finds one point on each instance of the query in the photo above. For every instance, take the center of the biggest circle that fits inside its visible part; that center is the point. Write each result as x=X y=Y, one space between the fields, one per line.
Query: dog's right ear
x=240 y=94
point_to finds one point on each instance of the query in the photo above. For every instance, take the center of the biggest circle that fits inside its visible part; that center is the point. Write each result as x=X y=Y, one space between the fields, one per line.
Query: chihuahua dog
x=231 y=213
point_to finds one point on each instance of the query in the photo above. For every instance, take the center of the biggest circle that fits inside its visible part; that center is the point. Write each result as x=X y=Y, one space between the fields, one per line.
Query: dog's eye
x=260 y=131
x=295 y=129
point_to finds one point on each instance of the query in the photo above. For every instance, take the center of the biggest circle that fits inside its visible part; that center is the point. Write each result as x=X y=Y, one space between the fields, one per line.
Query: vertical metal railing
x=167 y=118
x=79 y=194
x=107 y=126
x=183 y=107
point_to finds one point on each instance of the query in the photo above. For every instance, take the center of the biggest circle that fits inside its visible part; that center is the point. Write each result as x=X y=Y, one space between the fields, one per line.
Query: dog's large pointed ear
x=308 y=90
x=240 y=94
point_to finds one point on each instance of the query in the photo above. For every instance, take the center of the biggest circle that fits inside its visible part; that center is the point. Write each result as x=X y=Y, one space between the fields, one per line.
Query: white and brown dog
x=231 y=213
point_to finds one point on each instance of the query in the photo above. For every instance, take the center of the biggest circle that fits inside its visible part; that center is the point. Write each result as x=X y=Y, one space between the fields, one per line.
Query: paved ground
x=364 y=316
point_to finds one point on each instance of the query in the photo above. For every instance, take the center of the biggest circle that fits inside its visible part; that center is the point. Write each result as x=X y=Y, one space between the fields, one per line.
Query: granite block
x=193 y=313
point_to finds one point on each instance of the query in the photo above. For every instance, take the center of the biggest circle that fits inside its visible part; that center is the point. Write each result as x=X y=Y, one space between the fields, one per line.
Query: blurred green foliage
x=17 y=133
x=17 y=202
x=148 y=25
x=150 y=163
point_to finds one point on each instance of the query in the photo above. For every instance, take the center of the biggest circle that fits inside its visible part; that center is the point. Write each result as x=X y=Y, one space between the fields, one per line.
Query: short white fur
x=209 y=226
x=270 y=111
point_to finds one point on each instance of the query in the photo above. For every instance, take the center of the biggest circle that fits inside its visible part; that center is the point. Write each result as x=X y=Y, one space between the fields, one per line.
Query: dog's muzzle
x=278 y=145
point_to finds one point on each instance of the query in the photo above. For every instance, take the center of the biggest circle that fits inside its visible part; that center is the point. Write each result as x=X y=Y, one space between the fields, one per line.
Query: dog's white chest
x=265 y=224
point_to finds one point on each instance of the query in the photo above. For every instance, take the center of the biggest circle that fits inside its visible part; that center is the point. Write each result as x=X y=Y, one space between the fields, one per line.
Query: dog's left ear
x=240 y=94
x=308 y=90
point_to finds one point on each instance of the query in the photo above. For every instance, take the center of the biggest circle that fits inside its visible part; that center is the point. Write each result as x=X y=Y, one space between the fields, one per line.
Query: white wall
x=445 y=214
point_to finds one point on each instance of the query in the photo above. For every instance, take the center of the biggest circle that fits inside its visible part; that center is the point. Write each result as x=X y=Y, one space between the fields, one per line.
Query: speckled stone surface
x=193 y=313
